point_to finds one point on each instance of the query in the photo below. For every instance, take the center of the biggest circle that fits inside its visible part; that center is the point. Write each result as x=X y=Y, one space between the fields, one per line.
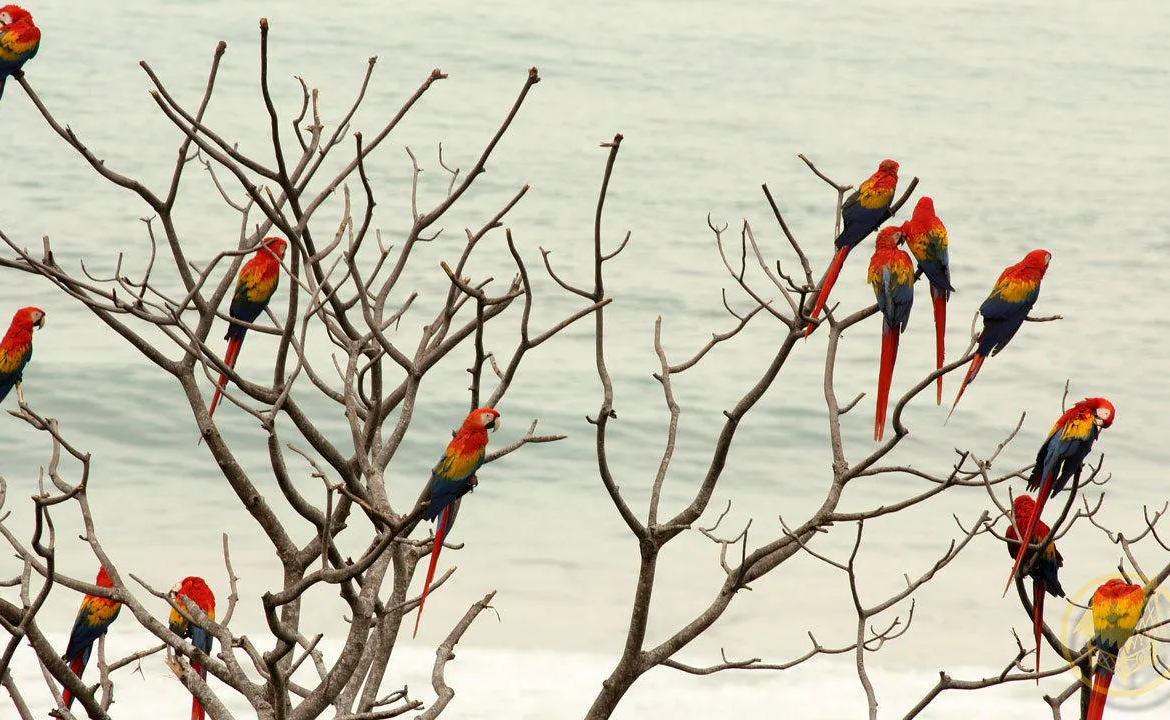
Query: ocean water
x=1037 y=125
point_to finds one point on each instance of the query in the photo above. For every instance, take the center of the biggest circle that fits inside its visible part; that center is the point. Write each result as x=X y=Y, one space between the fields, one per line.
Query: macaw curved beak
x=493 y=424
x=40 y=323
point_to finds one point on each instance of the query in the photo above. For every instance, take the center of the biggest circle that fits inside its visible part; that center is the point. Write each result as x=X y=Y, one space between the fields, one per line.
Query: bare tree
x=344 y=290
x=787 y=301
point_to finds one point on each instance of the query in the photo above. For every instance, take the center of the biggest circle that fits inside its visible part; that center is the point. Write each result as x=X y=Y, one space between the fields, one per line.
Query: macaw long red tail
x=940 y=332
x=1037 y=618
x=972 y=371
x=440 y=533
x=78 y=667
x=1026 y=535
x=827 y=286
x=1100 y=693
x=885 y=375
x=196 y=707
x=229 y=359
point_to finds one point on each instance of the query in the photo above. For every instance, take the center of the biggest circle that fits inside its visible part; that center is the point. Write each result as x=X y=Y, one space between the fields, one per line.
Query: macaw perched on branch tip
x=452 y=478
x=16 y=349
x=195 y=589
x=1048 y=562
x=20 y=39
x=94 y=618
x=1005 y=309
x=926 y=236
x=1063 y=455
x=255 y=286
x=1117 y=608
x=861 y=213
x=891 y=273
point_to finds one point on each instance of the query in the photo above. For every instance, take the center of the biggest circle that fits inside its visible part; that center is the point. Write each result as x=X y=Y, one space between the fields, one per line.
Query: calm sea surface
x=1031 y=125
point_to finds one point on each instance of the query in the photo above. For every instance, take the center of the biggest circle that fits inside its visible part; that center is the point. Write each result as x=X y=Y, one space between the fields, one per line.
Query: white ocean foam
x=493 y=684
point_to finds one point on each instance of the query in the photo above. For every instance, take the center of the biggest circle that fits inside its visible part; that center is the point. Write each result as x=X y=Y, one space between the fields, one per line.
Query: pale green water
x=1030 y=126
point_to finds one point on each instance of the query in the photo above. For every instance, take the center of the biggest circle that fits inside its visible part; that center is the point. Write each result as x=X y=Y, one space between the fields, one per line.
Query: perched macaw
x=1005 y=309
x=891 y=273
x=197 y=591
x=452 y=478
x=1117 y=608
x=16 y=349
x=1044 y=573
x=255 y=286
x=861 y=213
x=93 y=619
x=926 y=237
x=19 y=40
x=1062 y=455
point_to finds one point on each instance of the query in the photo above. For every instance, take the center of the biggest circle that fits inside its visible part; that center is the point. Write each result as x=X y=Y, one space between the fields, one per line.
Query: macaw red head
x=484 y=418
x=1023 y=507
x=103 y=578
x=1023 y=510
x=1116 y=588
x=28 y=318
x=889 y=167
x=1038 y=260
x=924 y=210
x=13 y=14
x=1103 y=410
x=196 y=589
x=276 y=246
x=889 y=237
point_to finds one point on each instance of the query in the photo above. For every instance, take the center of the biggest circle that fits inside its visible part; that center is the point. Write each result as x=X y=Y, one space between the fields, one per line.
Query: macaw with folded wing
x=452 y=478
x=195 y=589
x=1117 y=608
x=1063 y=455
x=1044 y=572
x=20 y=39
x=891 y=273
x=926 y=236
x=861 y=213
x=16 y=349
x=255 y=286
x=1005 y=309
x=94 y=618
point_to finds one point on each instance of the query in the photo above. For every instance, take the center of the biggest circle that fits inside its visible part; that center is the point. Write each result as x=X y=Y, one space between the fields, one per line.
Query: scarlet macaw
x=1117 y=608
x=891 y=273
x=1062 y=455
x=926 y=237
x=255 y=286
x=452 y=478
x=861 y=213
x=93 y=619
x=197 y=591
x=1044 y=573
x=1005 y=309
x=16 y=349
x=19 y=40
